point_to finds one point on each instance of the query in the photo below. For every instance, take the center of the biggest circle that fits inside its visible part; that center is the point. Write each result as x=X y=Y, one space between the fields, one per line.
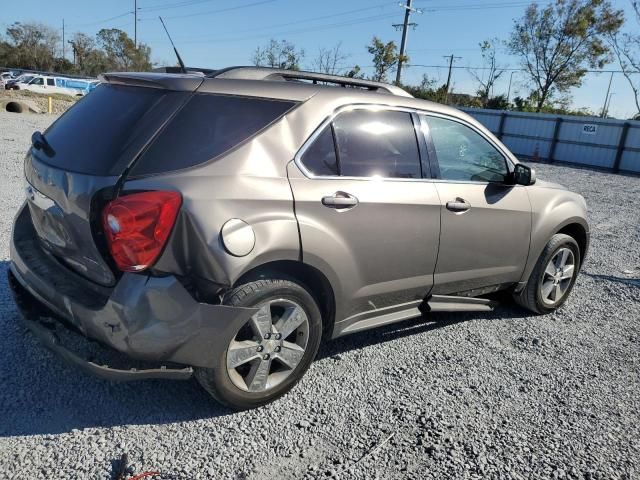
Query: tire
x=532 y=296
x=226 y=384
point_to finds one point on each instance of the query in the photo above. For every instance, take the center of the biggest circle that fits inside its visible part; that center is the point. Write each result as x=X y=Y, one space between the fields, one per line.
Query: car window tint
x=208 y=126
x=51 y=82
x=37 y=81
x=463 y=154
x=377 y=143
x=90 y=137
x=320 y=157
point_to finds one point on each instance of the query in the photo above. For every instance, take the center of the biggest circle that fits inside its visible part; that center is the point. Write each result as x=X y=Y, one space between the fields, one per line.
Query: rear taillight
x=137 y=227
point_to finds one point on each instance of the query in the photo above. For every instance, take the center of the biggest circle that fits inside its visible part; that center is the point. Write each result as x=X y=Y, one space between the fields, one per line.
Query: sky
x=219 y=33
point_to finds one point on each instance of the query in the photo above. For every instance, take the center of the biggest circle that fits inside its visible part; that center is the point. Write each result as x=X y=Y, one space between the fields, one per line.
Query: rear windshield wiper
x=40 y=143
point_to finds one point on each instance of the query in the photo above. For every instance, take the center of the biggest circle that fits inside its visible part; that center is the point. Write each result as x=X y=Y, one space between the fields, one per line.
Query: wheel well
x=578 y=233
x=310 y=277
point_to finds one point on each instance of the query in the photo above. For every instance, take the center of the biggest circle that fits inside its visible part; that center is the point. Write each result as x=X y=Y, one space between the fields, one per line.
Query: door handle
x=340 y=201
x=459 y=205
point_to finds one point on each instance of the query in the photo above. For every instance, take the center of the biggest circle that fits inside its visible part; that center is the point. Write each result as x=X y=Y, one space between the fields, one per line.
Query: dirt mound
x=20 y=101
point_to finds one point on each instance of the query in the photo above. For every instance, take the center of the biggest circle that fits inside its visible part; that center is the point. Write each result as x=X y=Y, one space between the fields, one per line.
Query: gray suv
x=222 y=225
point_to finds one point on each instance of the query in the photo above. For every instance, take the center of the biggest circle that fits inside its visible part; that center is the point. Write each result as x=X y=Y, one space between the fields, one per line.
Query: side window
x=208 y=126
x=463 y=154
x=51 y=82
x=320 y=158
x=377 y=143
x=37 y=81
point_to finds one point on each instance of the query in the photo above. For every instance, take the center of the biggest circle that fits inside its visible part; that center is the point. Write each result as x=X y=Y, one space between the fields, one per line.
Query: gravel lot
x=498 y=395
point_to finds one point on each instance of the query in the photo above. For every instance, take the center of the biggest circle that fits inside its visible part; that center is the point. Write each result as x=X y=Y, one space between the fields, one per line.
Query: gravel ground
x=498 y=395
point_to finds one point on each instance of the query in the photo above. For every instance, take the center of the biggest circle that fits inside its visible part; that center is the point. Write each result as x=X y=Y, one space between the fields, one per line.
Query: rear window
x=208 y=126
x=90 y=137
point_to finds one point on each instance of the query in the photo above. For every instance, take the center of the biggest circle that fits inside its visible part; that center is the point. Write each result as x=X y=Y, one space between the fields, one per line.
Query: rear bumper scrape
x=147 y=318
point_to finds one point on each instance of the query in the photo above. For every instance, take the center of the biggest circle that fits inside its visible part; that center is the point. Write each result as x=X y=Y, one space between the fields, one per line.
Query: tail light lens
x=137 y=227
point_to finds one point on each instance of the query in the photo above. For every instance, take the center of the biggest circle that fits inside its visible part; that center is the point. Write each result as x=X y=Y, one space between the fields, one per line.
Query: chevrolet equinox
x=221 y=225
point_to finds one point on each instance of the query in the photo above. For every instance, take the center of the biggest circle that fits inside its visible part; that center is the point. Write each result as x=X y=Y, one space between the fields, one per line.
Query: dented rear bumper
x=147 y=318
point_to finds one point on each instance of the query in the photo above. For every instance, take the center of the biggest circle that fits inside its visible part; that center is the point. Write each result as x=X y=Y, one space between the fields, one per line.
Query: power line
x=167 y=6
x=98 y=22
x=296 y=31
x=228 y=9
x=296 y=22
x=509 y=69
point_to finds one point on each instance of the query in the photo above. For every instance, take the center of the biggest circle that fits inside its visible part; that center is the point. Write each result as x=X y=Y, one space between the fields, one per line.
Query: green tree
x=424 y=90
x=282 y=54
x=499 y=102
x=355 y=72
x=30 y=45
x=385 y=58
x=558 y=43
x=121 y=52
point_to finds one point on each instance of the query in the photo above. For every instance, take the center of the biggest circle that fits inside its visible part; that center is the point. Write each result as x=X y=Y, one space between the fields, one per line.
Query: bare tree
x=329 y=60
x=626 y=47
x=492 y=70
x=282 y=54
x=557 y=43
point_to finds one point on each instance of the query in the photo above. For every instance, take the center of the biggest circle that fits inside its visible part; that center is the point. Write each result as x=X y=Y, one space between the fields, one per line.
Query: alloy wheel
x=268 y=348
x=557 y=276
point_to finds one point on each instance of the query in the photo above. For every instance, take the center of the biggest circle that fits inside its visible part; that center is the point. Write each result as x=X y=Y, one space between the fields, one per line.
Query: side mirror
x=523 y=175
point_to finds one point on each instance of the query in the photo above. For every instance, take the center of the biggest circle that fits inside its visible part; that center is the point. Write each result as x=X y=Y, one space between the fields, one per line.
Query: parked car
x=24 y=78
x=224 y=225
x=48 y=84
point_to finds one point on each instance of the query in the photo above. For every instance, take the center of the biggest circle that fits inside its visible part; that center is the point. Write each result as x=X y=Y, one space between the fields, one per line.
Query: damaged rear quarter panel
x=249 y=183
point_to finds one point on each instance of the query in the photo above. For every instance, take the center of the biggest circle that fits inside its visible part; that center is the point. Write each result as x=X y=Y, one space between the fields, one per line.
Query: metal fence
x=596 y=142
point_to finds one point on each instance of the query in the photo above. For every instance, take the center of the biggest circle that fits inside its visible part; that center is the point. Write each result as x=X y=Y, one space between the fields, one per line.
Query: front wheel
x=553 y=277
x=272 y=351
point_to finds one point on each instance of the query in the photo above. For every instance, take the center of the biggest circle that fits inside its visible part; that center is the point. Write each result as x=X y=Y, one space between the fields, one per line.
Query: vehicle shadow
x=424 y=324
x=41 y=395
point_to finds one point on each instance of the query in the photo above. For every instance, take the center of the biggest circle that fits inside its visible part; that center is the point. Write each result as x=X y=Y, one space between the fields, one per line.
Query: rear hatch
x=86 y=152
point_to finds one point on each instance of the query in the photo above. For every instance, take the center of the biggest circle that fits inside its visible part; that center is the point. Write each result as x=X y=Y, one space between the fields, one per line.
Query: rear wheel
x=553 y=277
x=269 y=354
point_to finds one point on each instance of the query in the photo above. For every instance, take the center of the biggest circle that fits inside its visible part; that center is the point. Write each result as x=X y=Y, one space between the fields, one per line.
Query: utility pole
x=606 y=112
x=63 y=44
x=509 y=90
x=606 y=97
x=408 y=10
x=135 y=23
x=451 y=58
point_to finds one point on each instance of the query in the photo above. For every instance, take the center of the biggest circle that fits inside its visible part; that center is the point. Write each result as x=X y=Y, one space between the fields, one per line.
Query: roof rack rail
x=267 y=73
x=191 y=70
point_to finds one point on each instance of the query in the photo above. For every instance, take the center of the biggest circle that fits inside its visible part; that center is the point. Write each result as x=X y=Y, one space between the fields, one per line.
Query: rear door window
x=320 y=158
x=51 y=82
x=208 y=126
x=377 y=144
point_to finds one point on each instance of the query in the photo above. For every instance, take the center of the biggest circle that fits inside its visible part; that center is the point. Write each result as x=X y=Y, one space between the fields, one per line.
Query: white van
x=47 y=84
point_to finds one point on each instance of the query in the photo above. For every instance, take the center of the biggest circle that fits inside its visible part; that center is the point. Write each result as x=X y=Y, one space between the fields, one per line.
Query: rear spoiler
x=182 y=82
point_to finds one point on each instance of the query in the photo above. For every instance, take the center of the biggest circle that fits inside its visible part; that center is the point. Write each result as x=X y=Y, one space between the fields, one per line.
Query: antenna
x=182 y=67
